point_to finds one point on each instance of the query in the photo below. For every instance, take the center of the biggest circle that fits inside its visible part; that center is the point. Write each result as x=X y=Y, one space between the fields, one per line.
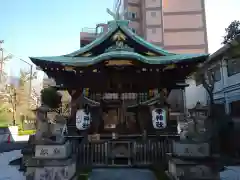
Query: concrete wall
x=11 y=133
x=194 y=94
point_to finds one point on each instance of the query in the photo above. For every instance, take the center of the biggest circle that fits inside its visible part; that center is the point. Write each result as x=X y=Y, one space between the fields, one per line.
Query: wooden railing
x=125 y=152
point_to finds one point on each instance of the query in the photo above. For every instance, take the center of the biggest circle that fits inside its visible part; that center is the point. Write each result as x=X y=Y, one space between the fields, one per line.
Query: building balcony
x=87 y=35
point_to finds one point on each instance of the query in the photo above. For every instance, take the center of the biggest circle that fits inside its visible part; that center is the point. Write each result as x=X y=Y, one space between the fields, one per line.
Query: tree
x=18 y=97
x=231 y=31
x=208 y=82
x=24 y=88
x=218 y=124
x=51 y=98
x=3 y=61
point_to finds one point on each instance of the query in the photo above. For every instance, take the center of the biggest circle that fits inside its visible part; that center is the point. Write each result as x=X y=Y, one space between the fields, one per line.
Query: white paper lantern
x=134 y=95
x=159 y=118
x=124 y=96
x=130 y=96
x=83 y=120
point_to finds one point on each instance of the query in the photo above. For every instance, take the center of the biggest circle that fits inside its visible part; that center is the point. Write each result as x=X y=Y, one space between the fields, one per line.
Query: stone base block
x=51 y=172
x=56 y=172
x=189 y=170
x=38 y=162
x=53 y=151
x=191 y=149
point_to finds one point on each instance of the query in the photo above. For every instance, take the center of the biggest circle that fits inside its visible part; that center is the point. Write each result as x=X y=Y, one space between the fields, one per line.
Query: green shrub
x=26 y=132
x=50 y=97
x=4 y=120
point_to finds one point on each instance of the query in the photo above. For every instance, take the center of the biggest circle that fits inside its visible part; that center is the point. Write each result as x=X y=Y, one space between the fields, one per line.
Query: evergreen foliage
x=51 y=98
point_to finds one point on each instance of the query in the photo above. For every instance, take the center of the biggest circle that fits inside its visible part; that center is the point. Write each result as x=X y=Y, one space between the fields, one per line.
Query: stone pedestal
x=187 y=148
x=191 y=169
x=55 y=151
x=51 y=162
x=42 y=169
x=55 y=172
x=52 y=157
x=191 y=161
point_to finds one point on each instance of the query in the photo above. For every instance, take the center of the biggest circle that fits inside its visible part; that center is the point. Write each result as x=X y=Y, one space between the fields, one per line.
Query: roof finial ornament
x=115 y=13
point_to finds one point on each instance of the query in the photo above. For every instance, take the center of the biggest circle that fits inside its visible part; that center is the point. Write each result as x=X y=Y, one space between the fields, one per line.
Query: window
x=134 y=30
x=233 y=66
x=217 y=73
x=153 y=30
x=100 y=29
x=153 y=14
x=132 y=15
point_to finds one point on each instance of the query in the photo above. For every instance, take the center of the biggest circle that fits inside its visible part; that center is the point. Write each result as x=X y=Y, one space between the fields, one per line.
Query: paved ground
x=121 y=174
x=6 y=147
x=10 y=172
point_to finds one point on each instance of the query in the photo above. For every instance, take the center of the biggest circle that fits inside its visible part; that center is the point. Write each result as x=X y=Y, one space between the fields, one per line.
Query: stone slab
x=29 y=174
x=121 y=173
x=57 y=172
x=191 y=171
x=36 y=162
x=186 y=149
x=53 y=151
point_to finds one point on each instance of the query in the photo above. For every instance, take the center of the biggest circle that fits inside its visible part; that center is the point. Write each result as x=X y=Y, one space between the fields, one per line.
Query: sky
x=52 y=27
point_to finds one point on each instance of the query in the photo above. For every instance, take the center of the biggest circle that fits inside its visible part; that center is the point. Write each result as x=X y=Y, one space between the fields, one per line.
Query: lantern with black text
x=159 y=118
x=83 y=119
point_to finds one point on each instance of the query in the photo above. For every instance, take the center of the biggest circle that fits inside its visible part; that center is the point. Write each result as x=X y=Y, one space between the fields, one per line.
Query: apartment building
x=225 y=64
x=176 y=25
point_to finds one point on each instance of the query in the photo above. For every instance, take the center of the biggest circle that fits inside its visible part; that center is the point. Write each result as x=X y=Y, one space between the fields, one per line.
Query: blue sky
x=47 y=27
x=52 y=27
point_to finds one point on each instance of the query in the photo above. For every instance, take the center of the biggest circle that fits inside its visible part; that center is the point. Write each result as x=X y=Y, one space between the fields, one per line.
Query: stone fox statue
x=43 y=127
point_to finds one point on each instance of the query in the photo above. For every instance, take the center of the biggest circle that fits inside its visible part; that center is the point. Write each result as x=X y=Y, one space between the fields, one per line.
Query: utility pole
x=2 y=59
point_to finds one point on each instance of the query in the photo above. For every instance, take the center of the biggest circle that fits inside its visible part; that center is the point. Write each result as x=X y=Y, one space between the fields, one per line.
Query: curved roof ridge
x=86 y=61
x=122 y=25
x=143 y=42
x=95 y=42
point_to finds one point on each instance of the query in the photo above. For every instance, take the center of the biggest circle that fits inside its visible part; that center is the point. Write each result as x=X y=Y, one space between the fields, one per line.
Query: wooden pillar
x=143 y=118
x=96 y=119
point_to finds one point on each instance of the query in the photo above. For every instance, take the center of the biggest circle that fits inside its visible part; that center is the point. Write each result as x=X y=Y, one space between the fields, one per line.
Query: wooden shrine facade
x=120 y=83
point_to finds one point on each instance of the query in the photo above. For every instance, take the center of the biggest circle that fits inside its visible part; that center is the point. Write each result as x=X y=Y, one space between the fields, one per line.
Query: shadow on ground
x=121 y=174
x=6 y=147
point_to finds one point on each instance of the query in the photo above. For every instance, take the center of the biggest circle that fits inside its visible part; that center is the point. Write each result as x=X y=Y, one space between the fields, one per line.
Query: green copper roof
x=79 y=58
x=86 y=61
x=123 y=26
